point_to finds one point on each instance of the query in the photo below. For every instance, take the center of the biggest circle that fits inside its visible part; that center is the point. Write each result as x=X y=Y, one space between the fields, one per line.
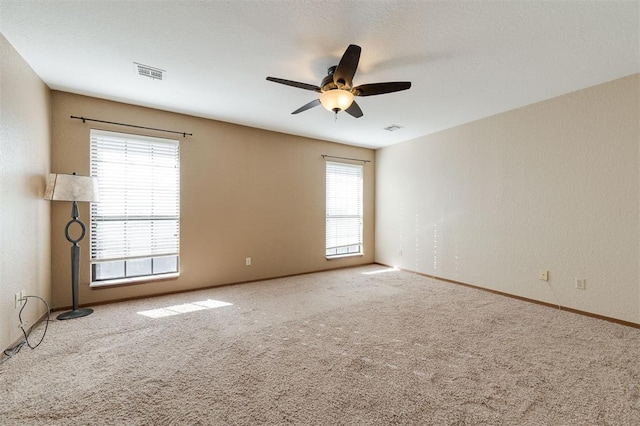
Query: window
x=135 y=228
x=344 y=209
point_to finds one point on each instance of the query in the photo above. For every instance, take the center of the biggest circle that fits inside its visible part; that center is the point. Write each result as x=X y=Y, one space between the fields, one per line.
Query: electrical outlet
x=247 y=261
x=581 y=284
x=19 y=299
x=544 y=275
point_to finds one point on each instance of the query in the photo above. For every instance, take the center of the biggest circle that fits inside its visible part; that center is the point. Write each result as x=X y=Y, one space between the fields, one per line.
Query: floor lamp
x=74 y=188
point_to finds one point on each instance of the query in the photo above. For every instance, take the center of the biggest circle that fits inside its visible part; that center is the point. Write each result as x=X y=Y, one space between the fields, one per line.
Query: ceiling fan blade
x=305 y=107
x=343 y=75
x=381 y=88
x=295 y=84
x=354 y=110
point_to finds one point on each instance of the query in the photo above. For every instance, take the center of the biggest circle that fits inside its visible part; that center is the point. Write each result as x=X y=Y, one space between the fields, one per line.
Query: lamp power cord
x=10 y=352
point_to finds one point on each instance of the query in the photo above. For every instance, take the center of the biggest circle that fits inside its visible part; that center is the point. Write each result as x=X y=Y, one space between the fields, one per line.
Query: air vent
x=151 y=72
x=393 y=128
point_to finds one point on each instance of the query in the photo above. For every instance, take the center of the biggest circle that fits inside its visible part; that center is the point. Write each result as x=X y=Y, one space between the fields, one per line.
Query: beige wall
x=244 y=193
x=24 y=215
x=552 y=186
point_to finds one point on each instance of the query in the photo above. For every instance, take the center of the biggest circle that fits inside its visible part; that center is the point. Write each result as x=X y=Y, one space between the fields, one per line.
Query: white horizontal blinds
x=139 y=210
x=344 y=209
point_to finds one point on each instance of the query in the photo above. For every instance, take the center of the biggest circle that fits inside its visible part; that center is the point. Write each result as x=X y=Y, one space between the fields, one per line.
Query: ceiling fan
x=336 y=89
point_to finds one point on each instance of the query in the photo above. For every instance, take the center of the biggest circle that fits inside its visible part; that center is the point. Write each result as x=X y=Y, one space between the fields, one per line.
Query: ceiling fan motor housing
x=327 y=82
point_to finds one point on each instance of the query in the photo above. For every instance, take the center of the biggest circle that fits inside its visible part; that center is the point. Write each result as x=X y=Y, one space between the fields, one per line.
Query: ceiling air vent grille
x=151 y=72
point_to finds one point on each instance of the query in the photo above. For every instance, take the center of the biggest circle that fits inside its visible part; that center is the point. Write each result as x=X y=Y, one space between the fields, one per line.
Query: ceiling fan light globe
x=336 y=99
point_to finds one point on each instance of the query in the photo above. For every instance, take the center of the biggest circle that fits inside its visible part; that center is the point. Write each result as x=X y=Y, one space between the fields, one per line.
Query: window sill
x=340 y=256
x=134 y=280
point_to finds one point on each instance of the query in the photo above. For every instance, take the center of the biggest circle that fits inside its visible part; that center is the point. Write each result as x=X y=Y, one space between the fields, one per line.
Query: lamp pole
x=75 y=266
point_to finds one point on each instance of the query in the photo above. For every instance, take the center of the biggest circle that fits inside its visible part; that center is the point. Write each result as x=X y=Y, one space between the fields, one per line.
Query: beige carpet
x=346 y=347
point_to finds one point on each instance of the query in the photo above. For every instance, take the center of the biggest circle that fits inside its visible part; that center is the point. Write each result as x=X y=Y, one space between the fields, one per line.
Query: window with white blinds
x=135 y=228
x=344 y=209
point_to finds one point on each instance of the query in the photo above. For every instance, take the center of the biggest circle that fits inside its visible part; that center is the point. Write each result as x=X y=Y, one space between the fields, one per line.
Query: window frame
x=127 y=257
x=346 y=252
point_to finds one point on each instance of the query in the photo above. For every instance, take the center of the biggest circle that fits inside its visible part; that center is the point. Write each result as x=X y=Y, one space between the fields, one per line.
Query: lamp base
x=76 y=313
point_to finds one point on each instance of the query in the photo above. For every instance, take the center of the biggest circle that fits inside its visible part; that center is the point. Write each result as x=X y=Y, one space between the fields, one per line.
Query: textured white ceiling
x=466 y=60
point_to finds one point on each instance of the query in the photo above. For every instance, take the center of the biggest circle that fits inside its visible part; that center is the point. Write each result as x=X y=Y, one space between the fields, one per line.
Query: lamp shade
x=61 y=187
x=336 y=99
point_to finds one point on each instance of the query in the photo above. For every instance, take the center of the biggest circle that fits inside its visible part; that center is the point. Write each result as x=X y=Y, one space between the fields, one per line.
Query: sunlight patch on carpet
x=184 y=308
x=381 y=271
